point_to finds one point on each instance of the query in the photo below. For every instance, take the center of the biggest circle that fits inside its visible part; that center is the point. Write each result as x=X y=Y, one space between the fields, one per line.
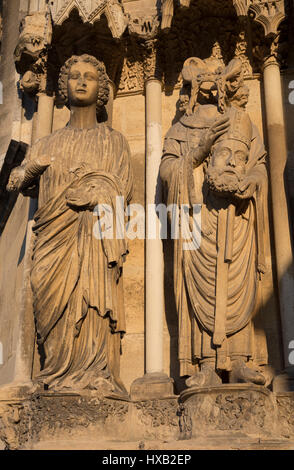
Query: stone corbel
x=30 y=54
x=34 y=40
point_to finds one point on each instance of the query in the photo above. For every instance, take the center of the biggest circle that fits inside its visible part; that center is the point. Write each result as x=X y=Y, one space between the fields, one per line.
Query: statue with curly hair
x=76 y=277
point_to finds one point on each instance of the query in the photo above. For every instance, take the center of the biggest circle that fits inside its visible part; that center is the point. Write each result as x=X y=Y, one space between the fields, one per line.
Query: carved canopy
x=91 y=11
x=268 y=13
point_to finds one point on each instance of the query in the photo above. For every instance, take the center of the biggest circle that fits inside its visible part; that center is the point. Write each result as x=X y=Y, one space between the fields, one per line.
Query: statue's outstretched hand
x=16 y=179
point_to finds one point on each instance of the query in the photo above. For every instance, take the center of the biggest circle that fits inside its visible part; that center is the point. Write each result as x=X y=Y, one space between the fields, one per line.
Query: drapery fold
x=195 y=270
x=76 y=275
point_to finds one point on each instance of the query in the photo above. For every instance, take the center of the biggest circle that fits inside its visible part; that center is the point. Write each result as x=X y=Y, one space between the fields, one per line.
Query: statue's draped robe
x=195 y=271
x=77 y=278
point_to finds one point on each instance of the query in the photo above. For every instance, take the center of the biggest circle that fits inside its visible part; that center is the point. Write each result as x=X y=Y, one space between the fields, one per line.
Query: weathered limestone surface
x=50 y=417
x=247 y=408
x=131 y=43
x=225 y=417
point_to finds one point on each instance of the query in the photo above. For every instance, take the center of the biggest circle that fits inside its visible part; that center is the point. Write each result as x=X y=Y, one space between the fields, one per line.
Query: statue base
x=246 y=408
x=285 y=381
x=285 y=413
x=53 y=420
x=229 y=415
x=151 y=386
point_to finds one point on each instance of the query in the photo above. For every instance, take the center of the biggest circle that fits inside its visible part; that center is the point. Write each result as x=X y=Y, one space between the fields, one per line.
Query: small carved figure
x=76 y=278
x=214 y=157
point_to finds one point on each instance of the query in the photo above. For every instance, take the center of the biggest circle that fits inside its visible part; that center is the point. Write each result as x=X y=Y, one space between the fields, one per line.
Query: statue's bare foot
x=242 y=373
x=207 y=377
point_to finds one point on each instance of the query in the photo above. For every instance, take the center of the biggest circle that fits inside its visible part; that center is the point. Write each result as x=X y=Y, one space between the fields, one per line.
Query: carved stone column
x=154 y=384
x=109 y=106
x=45 y=115
x=270 y=14
x=277 y=161
x=154 y=249
x=34 y=84
x=26 y=336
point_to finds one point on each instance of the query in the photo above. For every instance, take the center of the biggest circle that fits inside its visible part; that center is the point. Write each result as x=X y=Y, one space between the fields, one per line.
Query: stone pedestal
x=246 y=408
x=151 y=386
x=50 y=420
x=285 y=413
x=238 y=415
x=285 y=381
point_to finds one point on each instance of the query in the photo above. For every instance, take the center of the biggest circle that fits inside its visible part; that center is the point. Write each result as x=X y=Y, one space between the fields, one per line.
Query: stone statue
x=76 y=277
x=214 y=156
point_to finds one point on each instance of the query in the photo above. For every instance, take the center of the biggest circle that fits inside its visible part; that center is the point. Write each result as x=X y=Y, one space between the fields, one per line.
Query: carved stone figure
x=76 y=277
x=214 y=156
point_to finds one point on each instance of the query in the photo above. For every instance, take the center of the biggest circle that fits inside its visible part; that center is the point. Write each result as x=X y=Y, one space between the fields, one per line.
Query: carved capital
x=144 y=27
x=151 y=62
x=271 y=53
x=269 y=14
x=268 y=52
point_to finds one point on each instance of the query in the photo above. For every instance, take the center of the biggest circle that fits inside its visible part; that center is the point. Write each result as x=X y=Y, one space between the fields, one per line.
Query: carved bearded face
x=83 y=84
x=227 y=166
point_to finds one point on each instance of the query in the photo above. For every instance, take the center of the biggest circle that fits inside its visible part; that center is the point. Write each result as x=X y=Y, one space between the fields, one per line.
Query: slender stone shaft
x=154 y=249
x=109 y=106
x=45 y=115
x=277 y=161
x=25 y=344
